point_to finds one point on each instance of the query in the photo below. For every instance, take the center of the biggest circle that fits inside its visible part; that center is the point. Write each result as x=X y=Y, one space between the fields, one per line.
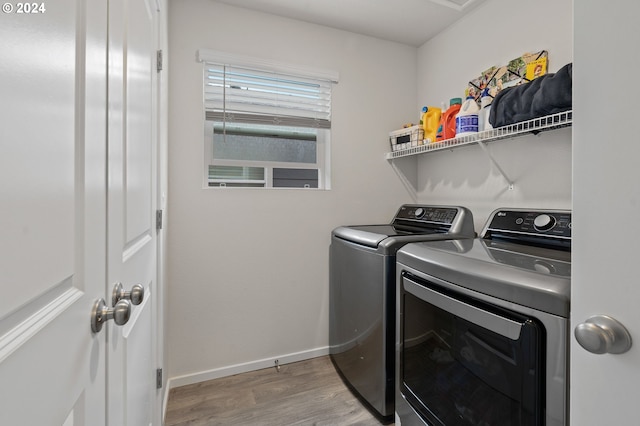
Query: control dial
x=544 y=222
x=543 y=267
x=419 y=212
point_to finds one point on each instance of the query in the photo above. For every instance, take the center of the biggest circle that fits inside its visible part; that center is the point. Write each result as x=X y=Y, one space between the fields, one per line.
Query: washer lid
x=538 y=278
x=372 y=235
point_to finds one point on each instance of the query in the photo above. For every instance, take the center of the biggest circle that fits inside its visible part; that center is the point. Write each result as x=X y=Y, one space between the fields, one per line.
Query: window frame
x=321 y=164
x=323 y=140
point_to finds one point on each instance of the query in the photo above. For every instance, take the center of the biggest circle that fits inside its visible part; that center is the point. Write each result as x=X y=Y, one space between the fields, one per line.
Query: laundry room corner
x=537 y=166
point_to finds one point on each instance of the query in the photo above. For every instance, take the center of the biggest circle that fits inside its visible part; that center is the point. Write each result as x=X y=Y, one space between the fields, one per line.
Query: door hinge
x=159 y=60
x=158 y=219
x=159 y=378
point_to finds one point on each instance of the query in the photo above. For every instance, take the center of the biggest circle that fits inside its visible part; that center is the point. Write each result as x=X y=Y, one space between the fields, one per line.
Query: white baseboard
x=231 y=370
x=165 y=400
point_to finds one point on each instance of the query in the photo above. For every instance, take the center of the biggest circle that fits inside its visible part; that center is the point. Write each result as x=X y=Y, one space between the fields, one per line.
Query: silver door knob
x=601 y=334
x=101 y=313
x=136 y=295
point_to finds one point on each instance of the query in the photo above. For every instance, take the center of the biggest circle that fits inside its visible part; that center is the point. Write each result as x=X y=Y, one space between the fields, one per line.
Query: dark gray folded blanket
x=548 y=94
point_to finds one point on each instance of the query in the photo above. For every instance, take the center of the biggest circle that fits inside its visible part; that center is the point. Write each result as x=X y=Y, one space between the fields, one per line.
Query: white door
x=52 y=211
x=606 y=207
x=131 y=258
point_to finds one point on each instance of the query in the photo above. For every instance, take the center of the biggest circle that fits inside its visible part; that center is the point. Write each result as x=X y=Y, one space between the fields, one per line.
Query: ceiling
x=411 y=22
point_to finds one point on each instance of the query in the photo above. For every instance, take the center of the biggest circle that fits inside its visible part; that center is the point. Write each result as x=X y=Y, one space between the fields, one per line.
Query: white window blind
x=256 y=94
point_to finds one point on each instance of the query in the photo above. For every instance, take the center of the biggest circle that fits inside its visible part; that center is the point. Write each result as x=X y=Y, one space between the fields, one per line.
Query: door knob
x=101 y=314
x=601 y=334
x=136 y=295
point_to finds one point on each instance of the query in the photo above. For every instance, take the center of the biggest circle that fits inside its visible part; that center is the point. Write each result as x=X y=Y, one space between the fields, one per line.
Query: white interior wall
x=540 y=166
x=248 y=269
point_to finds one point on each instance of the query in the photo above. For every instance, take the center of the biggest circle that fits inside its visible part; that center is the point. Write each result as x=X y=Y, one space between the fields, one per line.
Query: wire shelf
x=549 y=122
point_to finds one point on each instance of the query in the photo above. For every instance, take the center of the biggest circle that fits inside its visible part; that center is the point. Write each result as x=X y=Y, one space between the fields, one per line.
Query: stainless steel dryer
x=483 y=325
x=362 y=294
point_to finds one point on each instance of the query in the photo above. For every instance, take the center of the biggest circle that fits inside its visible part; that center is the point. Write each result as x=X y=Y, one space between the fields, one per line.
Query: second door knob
x=136 y=295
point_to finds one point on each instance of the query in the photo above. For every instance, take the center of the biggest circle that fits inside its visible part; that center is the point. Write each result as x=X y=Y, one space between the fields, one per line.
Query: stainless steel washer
x=362 y=294
x=483 y=325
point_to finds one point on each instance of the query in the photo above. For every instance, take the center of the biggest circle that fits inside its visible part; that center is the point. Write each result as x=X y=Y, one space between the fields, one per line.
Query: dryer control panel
x=529 y=225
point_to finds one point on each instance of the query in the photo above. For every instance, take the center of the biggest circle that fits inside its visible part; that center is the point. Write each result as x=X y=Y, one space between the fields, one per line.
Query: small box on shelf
x=406 y=138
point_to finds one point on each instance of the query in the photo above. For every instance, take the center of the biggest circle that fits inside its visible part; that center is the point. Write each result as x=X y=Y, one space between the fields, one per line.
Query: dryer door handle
x=498 y=324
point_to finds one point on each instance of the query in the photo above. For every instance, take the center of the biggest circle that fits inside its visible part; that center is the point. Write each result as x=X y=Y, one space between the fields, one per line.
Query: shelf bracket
x=496 y=165
x=411 y=189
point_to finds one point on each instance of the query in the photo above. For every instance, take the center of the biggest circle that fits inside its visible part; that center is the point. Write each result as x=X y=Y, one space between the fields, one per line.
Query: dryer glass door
x=465 y=362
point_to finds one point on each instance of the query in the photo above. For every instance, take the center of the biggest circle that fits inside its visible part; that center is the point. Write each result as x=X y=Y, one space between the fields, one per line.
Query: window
x=265 y=126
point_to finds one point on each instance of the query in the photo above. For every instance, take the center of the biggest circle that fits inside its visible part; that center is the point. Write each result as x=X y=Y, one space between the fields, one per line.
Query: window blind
x=238 y=173
x=247 y=95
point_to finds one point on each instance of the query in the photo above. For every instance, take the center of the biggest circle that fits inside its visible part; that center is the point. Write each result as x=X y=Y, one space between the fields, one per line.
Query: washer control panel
x=432 y=214
x=543 y=224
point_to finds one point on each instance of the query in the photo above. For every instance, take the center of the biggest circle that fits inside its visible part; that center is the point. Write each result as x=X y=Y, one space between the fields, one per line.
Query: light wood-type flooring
x=303 y=393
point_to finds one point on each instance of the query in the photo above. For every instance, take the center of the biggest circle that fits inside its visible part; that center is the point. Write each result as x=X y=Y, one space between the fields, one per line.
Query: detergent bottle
x=448 y=120
x=467 y=117
x=430 y=123
x=485 y=110
x=440 y=132
x=422 y=113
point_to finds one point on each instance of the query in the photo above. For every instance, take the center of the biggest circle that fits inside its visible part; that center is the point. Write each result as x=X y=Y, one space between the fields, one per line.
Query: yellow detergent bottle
x=430 y=123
